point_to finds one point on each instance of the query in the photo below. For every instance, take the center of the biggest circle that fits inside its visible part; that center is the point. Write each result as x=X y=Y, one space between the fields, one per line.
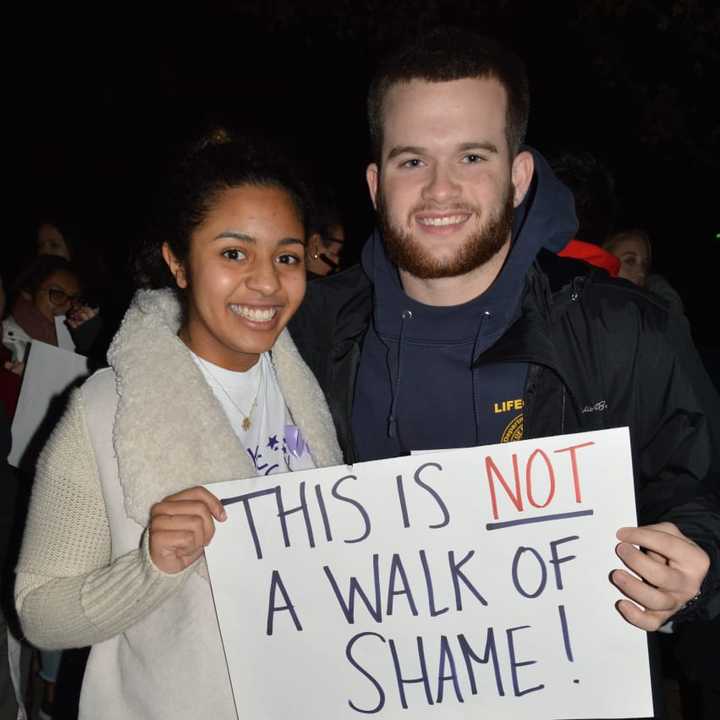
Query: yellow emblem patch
x=514 y=430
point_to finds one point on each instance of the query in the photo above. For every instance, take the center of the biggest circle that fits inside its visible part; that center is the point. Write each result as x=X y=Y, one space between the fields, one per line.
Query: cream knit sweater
x=145 y=428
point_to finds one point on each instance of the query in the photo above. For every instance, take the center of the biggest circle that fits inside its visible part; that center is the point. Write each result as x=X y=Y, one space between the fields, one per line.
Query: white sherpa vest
x=156 y=429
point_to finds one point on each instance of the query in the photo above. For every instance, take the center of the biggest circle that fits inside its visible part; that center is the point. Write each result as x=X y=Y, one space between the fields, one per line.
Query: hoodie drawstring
x=395 y=386
x=476 y=389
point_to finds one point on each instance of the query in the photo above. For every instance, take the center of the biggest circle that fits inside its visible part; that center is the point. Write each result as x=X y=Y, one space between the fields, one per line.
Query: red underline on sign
x=542 y=518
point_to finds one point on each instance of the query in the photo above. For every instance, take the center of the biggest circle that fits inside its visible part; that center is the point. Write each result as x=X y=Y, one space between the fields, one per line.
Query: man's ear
x=372 y=175
x=176 y=267
x=522 y=171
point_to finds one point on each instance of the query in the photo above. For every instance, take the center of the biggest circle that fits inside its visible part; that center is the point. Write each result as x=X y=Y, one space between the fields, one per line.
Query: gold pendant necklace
x=247 y=417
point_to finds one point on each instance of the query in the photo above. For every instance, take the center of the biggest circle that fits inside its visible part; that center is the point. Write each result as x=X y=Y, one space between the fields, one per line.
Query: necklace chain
x=247 y=417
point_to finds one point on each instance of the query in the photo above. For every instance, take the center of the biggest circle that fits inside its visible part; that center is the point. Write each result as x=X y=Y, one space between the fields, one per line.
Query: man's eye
x=233 y=254
x=473 y=158
x=412 y=163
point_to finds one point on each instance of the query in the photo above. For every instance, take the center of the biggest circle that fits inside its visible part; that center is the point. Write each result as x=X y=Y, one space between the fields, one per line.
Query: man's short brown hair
x=453 y=54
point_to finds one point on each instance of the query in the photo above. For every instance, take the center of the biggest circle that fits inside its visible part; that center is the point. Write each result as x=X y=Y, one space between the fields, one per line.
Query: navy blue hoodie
x=416 y=386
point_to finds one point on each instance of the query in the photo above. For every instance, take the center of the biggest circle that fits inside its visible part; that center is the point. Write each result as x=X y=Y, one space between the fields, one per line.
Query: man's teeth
x=254 y=314
x=440 y=221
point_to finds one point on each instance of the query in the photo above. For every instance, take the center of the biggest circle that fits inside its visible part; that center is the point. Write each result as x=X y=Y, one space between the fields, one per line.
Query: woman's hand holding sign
x=181 y=526
x=671 y=571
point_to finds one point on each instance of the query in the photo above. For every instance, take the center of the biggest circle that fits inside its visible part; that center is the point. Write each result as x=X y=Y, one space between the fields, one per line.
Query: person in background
x=632 y=247
x=49 y=287
x=8 y=506
x=90 y=334
x=325 y=240
x=593 y=189
x=9 y=370
x=13 y=504
x=633 y=250
x=51 y=241
x=113 y=549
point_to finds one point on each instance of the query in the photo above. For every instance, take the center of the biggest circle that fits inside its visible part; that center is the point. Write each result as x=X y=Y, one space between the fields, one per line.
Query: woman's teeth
x=254 y=314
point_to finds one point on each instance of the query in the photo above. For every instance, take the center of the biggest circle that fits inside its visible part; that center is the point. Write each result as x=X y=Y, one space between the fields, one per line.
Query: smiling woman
x=205 y=385
x=243 y=275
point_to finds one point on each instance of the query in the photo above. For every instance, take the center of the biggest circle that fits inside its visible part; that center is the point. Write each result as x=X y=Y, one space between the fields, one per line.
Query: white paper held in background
x=49 y=371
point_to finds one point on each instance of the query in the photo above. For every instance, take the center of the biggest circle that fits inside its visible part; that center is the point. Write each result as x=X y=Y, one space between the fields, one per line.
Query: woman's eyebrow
x=235 y=235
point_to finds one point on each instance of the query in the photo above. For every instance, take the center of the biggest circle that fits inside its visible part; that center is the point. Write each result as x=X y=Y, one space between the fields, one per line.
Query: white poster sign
x=49 y=371
x=456 y=584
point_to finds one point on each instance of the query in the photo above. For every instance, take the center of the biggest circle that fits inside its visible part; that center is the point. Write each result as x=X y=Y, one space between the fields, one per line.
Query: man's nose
x=441 y=185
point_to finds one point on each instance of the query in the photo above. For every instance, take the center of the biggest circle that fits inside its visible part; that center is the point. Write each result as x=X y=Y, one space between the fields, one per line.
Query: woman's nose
x=264 y=277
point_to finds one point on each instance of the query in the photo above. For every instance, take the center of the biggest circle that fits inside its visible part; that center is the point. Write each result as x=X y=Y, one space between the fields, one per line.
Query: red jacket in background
x=9 y=384
x=593 y=255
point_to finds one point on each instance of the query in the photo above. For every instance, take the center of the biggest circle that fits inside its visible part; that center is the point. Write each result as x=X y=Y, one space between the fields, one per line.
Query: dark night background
x=105 y=100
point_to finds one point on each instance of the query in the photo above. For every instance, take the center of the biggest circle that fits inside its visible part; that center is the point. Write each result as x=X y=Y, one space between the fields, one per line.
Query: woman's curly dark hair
x=213 y=166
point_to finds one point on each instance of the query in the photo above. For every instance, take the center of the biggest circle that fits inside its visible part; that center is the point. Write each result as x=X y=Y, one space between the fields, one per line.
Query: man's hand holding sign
x=671 y=570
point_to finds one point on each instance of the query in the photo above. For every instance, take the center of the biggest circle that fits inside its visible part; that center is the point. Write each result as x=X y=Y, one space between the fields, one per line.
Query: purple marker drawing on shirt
x=259 y=465
x=294 y=441
x=293 y=445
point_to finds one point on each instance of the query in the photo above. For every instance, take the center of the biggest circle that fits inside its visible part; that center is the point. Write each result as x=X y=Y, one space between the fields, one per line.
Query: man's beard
x=480 y=247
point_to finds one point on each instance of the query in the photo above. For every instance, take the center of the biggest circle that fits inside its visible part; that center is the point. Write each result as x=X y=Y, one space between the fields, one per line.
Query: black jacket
x=601 y=354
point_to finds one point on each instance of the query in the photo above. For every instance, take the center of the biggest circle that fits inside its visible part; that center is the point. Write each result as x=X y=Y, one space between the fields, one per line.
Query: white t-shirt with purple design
x=273 y=443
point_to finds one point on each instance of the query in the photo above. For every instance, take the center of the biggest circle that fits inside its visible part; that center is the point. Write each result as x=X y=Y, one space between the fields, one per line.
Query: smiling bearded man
x=480 y=247
x=447 y=335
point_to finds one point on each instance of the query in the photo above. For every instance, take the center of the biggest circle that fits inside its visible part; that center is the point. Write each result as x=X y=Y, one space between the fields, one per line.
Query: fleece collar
x=170 y=432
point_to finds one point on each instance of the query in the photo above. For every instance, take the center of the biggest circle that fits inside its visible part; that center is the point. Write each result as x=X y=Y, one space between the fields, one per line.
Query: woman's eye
x=233 y=254
x=288 y=259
